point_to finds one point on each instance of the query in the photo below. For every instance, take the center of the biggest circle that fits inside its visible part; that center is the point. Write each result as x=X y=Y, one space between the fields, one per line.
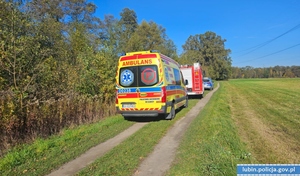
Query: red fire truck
x=194 y=75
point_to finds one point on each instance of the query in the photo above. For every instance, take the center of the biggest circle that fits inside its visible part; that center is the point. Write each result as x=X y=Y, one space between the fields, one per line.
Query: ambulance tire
x=171 y=115
x=186 y=103
x=127 y=118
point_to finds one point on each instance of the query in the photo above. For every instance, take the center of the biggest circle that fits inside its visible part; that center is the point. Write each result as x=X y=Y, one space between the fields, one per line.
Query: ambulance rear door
x=138 y=90
x=149 y=90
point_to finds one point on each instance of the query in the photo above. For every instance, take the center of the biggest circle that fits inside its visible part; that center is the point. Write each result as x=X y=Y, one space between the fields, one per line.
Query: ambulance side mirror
x=186 y=82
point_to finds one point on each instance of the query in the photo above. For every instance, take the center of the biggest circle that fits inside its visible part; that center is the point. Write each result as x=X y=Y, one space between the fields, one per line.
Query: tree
x=69 y=29
x=23 y=53
x=128 y=25
x=22 y=49
x=109 y=39
x=150 y=36
x=288 y=73
x=209 y=50
x=296 y=70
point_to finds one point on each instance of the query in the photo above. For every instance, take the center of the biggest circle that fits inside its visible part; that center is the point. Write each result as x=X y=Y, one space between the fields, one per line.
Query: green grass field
x=246 y=121
x=267 y=114
x=211 y=146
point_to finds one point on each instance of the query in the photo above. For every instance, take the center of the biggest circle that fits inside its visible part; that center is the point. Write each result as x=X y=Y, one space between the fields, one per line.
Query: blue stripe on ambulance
x=174 y=87
x=127 y=90
x=150 y=89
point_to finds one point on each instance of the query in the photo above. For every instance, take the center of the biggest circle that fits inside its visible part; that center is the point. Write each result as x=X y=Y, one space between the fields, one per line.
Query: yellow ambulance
x=149 y=84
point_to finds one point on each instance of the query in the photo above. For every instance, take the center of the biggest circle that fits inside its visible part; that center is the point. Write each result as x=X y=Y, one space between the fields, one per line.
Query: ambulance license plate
x=128 y=105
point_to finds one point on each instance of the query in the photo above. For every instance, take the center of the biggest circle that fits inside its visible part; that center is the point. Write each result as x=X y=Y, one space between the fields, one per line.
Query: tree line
x=58 y=63
x=269 y=72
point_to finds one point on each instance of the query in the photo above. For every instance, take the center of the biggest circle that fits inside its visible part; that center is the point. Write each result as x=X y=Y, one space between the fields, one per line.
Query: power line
x=269 y=41
x=270 y=54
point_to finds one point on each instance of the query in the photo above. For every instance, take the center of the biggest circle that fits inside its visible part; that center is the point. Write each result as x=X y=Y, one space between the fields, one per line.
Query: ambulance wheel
x=186 y=102
x=171 y=115
x=127 y=118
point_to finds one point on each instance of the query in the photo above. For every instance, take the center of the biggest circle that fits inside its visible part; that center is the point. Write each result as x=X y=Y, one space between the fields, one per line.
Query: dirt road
x=157 y=163
x=160 y=160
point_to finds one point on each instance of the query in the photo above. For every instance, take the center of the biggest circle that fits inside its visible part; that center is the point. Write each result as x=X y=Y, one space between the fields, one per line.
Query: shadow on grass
x=150 y=119
x=195 y=97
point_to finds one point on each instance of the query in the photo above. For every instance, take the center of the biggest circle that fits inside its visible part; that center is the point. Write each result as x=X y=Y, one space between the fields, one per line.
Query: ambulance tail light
x=164 y=95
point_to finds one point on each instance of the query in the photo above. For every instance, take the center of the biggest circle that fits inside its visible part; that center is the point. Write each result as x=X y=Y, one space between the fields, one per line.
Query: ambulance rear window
x=138 y=76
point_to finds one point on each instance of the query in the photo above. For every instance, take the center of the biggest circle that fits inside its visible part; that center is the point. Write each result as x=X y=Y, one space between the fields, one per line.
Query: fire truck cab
x=194 y=75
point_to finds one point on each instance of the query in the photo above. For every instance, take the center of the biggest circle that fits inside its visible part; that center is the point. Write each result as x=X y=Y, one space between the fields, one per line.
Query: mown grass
x=267 y=114
x=126 y=157
x=246 y=121
x=40 y=157
x=211 y=146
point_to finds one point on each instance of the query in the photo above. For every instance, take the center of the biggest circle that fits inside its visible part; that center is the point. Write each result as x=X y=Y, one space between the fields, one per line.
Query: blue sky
x=260 y=33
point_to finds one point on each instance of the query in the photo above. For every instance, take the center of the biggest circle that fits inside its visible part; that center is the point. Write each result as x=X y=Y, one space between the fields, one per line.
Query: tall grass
x=41 y=119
